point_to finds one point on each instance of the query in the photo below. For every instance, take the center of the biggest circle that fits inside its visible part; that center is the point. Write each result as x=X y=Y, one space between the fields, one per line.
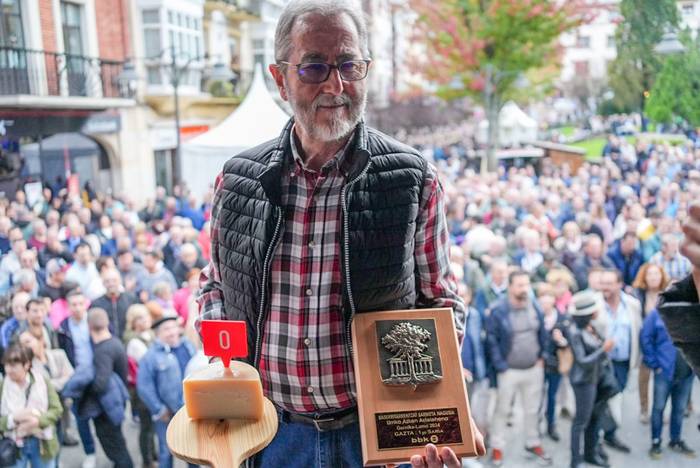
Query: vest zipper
x=346 y=250
x=266 y=270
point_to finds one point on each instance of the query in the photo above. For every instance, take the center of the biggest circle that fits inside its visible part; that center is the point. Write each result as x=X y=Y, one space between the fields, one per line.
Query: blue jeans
x=679 y=391
x=165 y=458
x=29 y=454
x=552 y=380
x=84 y=432
x=298 y=445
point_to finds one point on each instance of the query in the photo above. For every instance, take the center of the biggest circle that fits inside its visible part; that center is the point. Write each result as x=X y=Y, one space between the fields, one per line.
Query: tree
x=480 y=48
x=407 y=341
x=676 y=91
x=633 y=71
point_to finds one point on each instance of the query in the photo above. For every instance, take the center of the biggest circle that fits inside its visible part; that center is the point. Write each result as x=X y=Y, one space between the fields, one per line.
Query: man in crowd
x=115 y=301
x=627 y=257
x=593 y=255
x=159 y=380
x=516 y=342
x=154 y=272
x=673 y=262
x=84 y=272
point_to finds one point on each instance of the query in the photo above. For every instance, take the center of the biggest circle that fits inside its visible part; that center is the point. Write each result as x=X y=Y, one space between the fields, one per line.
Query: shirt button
x=310 y=389
x=312 y=244
x=307 y=341
x=309 y=292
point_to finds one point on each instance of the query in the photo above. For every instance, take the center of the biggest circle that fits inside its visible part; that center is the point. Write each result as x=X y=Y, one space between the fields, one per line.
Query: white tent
x=257 y=120
x=516 y=126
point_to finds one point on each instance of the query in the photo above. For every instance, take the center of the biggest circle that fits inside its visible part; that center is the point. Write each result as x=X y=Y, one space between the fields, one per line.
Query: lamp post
x=219 y=72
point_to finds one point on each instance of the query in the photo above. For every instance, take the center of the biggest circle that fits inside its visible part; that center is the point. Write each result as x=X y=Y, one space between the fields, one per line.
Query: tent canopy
x=257 y=120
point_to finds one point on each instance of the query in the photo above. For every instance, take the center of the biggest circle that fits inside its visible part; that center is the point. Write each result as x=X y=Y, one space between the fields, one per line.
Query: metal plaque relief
x=416 y=428
x=408 y=352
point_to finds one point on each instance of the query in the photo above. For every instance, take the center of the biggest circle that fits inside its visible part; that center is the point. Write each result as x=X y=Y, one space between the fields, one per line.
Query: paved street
x=632 y=432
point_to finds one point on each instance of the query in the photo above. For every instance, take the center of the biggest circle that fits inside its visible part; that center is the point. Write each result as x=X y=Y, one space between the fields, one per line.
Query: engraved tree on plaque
x=410 y=364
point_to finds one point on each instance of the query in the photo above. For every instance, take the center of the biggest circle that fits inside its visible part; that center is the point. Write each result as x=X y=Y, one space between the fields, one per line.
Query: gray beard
x=337 y=129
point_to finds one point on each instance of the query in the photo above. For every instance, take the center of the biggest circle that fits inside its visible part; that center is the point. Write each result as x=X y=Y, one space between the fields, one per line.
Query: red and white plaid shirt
x=305 y=366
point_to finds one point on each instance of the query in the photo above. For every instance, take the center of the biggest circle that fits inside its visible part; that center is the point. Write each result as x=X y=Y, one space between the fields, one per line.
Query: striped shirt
x=305 y=363
x=677 y=268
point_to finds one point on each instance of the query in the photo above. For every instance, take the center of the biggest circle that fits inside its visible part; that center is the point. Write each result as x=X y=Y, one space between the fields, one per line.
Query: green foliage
x=636 y=66
x=676 y=92
x=221 y=89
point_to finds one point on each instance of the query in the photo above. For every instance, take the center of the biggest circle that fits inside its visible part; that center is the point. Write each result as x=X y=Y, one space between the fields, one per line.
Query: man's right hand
x=608 y=345
x=691 y=244
x=167 y=415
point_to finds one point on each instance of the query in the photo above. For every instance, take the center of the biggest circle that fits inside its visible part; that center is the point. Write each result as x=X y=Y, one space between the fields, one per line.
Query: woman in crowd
x=589 y=354
x=29 y=410
x=651 y=281
x=563 y=284
x=138 y=336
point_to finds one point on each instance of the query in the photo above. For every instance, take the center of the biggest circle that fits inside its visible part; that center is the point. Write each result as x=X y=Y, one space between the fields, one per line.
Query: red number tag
x=225 y=339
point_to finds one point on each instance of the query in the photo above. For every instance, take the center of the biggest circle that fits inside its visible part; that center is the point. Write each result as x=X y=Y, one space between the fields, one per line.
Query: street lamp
x=219 y=72
x=669 y=45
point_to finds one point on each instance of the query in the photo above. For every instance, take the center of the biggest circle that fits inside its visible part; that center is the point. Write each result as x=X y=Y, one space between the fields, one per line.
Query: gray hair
x=295 y=9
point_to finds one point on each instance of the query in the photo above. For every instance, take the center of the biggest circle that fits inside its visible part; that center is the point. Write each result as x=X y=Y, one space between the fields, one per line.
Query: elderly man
x=330 y=219
x=675 y=264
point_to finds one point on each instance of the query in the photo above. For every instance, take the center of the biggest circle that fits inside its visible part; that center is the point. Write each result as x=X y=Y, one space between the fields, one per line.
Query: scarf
x=14 y=396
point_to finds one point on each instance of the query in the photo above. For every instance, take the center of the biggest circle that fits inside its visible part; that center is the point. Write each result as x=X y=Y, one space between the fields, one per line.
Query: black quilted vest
x=382 y=195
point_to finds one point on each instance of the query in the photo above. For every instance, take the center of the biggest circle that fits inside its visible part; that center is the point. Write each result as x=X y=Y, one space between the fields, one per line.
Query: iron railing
x=41 y=73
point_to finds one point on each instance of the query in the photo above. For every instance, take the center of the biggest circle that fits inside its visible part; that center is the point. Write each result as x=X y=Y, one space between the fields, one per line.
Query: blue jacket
x=473 y=345
x=657 y=348
x=499 y=334
x=113 y=401
x=628 y=266
x=159 y=380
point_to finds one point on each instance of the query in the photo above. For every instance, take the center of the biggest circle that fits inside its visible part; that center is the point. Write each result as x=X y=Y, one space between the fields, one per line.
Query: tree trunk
x=490 y=162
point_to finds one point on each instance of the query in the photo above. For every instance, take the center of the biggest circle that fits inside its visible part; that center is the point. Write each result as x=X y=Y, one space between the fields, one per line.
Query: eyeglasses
x=315 y=73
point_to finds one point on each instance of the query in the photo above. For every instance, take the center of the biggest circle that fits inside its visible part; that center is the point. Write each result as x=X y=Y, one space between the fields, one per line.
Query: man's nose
x=334 y=84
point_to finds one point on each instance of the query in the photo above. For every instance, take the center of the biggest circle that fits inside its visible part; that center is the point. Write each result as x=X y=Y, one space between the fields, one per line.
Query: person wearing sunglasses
x=331 y=219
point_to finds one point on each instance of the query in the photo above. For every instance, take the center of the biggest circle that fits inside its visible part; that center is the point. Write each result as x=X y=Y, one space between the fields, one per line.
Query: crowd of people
x=561 y=270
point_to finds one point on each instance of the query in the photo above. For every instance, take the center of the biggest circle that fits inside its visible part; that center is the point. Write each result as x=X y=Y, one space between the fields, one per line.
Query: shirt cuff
x=10 y=422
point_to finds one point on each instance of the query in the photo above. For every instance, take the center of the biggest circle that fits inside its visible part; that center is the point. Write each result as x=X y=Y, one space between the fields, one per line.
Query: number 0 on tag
x=225 y=339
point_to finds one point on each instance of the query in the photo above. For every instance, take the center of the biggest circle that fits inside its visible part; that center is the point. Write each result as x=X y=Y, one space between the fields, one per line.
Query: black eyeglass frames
x=315 y=72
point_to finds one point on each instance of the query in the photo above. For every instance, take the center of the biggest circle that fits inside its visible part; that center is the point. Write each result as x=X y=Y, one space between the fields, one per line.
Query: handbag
x=608 y=385
x=8 y=452
x=566 y=360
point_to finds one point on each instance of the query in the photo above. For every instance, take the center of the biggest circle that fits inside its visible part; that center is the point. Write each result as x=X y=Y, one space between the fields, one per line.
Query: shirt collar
x=337 y=162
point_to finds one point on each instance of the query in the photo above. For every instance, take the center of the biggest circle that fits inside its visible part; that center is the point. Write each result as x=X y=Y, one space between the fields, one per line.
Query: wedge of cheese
x=218 y=393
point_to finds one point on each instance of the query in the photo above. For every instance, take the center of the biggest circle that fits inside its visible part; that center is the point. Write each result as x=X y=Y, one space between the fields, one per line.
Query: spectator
x=159 y=380
x=10 y=263
x=674 y=264
x=84 y=272
x=563 y=284
x=184 y=298
x=627 y=257
x=592 y=256
x=138 y=337
x=650 y=282
x=19 y=314
x=129 y=269
x=115 y=301
x=673 y=378
x=38 y=324
x=496 y=286
x=55 y=276
x=153 y=273
x=516 y=342
x=29 y=409
x=189 y=259
x=54 y=248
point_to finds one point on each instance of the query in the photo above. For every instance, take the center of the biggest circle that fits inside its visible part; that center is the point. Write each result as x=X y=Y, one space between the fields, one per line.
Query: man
x=109 y=387
x=159 y=379
x=74 y=339
x=530 y=259
x=328 y=192
x=189 y=259
x=10 y=263
x=38 y=324
x=496 y=286
x=19 y=314
x=55 y=276
x=516 y=340
x=623 y=321
x=84 y=272
x=627 y=257
x=592 y=256
x=171 y=250
x=673 y=378
x=129 y=269
x=675 y=264
x=54 y=248
x=115 y=301
x=154 y=272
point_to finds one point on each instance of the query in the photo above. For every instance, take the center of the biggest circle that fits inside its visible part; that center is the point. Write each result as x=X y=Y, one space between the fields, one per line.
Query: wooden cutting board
x=224 y=443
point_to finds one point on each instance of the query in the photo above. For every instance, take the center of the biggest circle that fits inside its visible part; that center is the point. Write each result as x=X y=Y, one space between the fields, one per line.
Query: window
x=583 y=42
x=153 y=75
x=688 y=9
x=258 y=44
x=184 y=34
x=72 y=20
x=150 y=16
x=151 y=37
x=581 y=68
x=11 y=33
x=611 y=41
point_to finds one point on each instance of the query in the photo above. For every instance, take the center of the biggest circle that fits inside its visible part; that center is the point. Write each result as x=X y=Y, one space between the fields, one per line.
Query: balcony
x=40 y=79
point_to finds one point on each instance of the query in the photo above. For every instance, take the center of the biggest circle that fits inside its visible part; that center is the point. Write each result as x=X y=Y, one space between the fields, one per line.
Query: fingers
x=432 y=457
x=691 y=250
x=478 y=439
x=418 y=461
x=449 y=458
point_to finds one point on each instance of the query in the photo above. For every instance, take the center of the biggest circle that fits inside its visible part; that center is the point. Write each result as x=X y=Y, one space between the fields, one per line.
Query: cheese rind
x=218 y=393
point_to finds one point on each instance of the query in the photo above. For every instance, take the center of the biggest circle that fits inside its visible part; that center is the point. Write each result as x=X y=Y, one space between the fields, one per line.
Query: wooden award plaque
x=410 y=389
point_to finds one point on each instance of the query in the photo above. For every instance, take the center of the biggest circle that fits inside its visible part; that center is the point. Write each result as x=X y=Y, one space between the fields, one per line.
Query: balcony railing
x=41 y=73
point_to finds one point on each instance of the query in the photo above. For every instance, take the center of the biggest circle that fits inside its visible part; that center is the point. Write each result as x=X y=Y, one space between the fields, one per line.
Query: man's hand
x=166 y=416
x=466 y=373
x=608 y=345
x=691 y=244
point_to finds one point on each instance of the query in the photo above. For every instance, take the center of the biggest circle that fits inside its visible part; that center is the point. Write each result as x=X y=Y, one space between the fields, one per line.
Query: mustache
x=326 y=100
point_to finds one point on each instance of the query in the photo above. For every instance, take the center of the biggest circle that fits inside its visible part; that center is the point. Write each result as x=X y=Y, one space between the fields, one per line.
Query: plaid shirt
x=677 y=268
x=305 y=363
